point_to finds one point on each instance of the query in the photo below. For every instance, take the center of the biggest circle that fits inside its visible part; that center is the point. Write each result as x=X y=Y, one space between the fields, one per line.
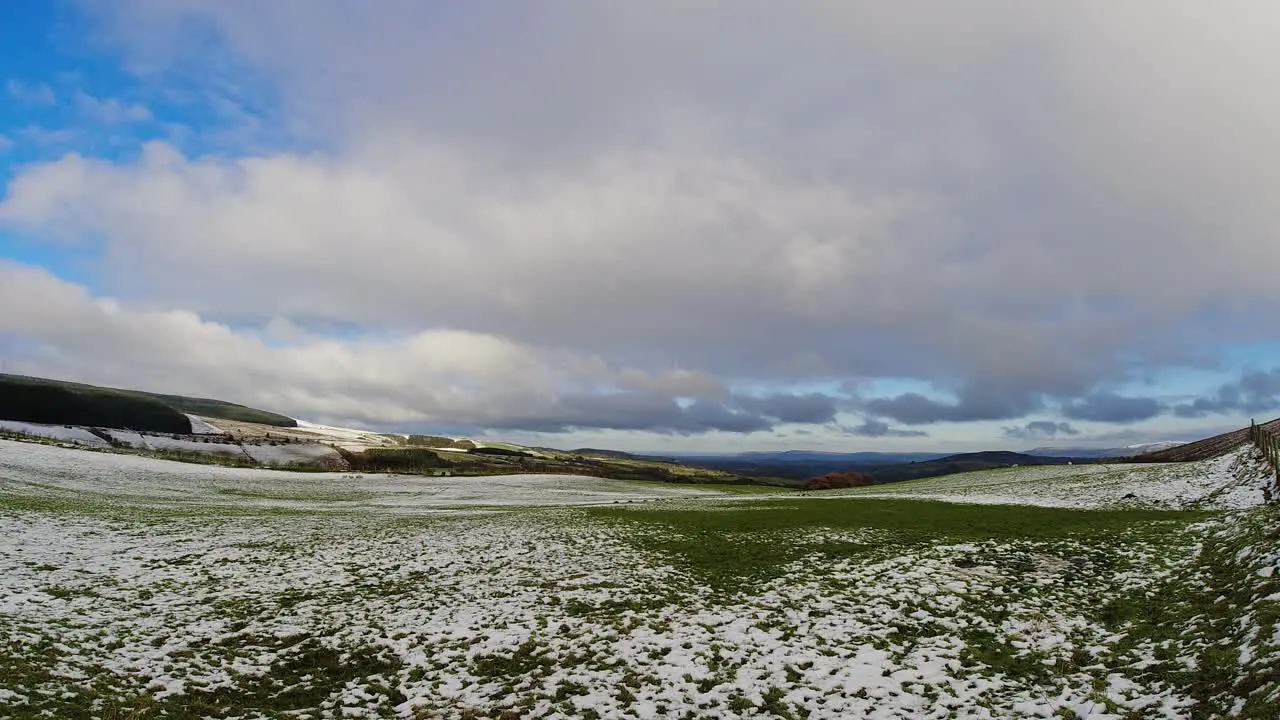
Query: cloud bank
x=573 y=216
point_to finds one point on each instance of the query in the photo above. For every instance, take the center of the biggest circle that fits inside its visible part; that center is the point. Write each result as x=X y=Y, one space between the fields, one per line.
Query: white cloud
x=111 y=111
x=46 y=138
x=441 y=377
x=635 y=253
x=30 y=93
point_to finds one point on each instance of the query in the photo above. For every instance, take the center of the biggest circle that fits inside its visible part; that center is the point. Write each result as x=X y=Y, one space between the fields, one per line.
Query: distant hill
x=598 y=452
x=964 y=462
x=803 y=465
x=867 y=458
x=807 y=464
x=225 y=410
x=46 y=401
x=1128 y=451
x=58 y=402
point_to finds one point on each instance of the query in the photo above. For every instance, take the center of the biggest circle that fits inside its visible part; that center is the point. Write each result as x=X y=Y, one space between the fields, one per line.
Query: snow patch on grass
x=133 y=587
x=71 y=434
x=1236 y=480
x=69 y=473
x=292 y=453
x=201 y=426
x=541 y=615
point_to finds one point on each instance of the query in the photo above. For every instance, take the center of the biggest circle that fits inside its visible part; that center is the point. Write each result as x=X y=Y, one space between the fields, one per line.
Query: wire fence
x=1267 y=439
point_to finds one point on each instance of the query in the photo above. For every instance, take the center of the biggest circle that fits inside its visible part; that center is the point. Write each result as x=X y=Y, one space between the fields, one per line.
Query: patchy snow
x=1155 y=446
x=201 y=426
x=1236 y=480
x=312 y=454
x=64 y=433
x=394 y=596
x=67 y=472
x=156 y=441
x=348 y=438
x=550 y=615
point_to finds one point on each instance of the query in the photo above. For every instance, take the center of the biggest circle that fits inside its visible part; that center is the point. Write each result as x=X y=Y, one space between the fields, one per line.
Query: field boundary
x=1208 y=448
x=1266 y=437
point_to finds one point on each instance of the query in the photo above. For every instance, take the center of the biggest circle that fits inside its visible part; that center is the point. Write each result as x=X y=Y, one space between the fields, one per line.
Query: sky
x=715 y=226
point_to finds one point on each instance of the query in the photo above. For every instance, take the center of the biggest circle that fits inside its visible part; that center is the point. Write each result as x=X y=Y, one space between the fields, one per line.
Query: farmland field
x=137 y=588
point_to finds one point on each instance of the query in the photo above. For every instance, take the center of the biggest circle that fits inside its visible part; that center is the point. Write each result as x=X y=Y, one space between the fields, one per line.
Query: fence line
x=1268 y=441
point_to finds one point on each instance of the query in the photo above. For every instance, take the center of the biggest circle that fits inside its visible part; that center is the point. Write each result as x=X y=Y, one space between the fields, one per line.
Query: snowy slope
x=293 y=453
x=1236 y=480
x=57 y=432
x=347 y=438
x=200 y=426
x=24 y=466
x=152 y=441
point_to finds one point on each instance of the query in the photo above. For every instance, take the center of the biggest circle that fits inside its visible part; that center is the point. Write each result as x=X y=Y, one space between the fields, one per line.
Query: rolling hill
x=1207 y=448
x=882 y=467
x=58 y=402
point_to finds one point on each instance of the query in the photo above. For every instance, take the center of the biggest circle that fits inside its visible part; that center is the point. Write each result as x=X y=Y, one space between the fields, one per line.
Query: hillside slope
x=59 y=402
x=962 y=463
x=1237 y=479
x=45 y=401
x=1205 y=449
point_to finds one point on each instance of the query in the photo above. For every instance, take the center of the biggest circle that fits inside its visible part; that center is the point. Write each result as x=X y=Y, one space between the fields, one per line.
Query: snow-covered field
x=291 y=453
x=158 y=441
x=200 y=426
x=348 y=438
x=131 y=587
x=73 y=434
x=28 y=469
x=1235 y=480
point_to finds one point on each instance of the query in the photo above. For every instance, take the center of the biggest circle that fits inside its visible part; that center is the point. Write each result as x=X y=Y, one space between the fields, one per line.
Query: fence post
x=1268 y=443
x=1271 y=448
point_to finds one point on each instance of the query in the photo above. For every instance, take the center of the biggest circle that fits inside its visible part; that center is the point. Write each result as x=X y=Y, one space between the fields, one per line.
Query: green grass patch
x=735 y=547
x=278 y=493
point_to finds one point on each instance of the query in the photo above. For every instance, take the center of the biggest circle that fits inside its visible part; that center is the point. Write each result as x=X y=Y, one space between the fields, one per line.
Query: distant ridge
x=1098 y=453
x=882 y=467
x=963 y=462
x=599 y=452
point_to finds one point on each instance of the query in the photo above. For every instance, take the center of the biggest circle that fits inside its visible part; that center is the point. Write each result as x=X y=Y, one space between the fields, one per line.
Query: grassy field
x=147 y=589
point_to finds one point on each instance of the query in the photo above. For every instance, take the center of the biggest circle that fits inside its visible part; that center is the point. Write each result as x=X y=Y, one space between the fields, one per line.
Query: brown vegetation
x=833 y=481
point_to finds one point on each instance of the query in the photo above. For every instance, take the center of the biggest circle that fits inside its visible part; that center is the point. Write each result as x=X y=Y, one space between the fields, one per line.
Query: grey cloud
x=634 y=411
x=911 y=408
x=976 y=402
x=675 y=383
x=878 y=429
x=1037 y=429
x=1110 y=407
x=1257 y=391
x=659 y=413
x=807 y=408
x=707 y=414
